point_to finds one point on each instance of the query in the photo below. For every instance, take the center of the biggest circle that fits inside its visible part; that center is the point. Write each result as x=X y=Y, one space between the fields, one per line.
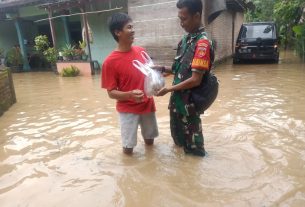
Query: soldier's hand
x=158 y=68
x=162 y=91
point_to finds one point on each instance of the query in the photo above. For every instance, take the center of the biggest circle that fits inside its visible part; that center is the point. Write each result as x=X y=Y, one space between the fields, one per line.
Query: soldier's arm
x=162 y=69
x=191 y=82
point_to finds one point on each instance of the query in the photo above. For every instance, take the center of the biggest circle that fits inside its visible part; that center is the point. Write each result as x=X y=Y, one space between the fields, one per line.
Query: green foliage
x=288 y=14
x=1 y=52
x=299 y=30
x=41 y=43
x=68 y=50
x=81 y=51
x=263 y=11
x=14 y=57
x=70 y=71
x=50 y=55
x=78 y=52
x=82 y=45
x=288 y=11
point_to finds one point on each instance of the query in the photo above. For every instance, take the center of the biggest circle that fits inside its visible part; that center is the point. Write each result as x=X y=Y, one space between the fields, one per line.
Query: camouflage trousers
x=186 y=131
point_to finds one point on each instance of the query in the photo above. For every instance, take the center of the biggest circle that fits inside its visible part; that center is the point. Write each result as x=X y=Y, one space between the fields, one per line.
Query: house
x=156 y=24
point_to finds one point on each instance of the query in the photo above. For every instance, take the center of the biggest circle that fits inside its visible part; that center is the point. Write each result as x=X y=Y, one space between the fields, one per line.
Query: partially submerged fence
x=7 y=91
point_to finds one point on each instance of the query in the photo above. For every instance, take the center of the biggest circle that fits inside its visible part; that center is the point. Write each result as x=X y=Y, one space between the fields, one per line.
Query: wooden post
x=52 y=27
x=233 y=31
x=12 y=89
x=85 y=22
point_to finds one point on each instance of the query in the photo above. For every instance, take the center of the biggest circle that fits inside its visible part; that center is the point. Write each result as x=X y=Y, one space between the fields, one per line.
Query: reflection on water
x=60 y=145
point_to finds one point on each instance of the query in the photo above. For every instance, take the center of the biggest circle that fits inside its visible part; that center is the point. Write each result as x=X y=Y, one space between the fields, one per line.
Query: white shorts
x=129 y=127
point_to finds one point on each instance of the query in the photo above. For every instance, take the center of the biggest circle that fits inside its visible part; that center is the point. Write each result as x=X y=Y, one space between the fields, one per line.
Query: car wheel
x=276 y=60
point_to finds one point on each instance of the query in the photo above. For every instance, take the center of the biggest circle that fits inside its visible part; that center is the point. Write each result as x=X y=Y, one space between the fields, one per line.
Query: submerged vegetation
x=70 y=71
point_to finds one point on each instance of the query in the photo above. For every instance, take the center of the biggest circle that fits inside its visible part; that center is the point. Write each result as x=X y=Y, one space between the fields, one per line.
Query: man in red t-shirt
x=125 y=83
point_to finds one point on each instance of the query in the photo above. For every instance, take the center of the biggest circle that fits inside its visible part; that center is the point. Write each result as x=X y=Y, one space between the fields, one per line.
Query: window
x=257 y=31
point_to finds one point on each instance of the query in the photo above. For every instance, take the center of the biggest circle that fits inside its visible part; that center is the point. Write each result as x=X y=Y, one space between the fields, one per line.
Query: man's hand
x=134 y=95
x=137 y=95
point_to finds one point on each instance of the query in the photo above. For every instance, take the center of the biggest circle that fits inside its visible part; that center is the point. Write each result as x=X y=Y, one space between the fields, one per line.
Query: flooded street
x=60 y=145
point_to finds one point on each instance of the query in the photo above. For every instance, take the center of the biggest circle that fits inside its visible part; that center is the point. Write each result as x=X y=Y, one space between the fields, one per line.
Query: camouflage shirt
x=180 y=100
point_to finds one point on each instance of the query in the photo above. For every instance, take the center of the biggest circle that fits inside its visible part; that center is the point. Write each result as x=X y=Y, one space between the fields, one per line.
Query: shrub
x=50 y=55
x=68 y=50
x=41 y=43
x=70 y=71
x=299 y=31
x=45 y=52
x=14 y=57
x=1 y=53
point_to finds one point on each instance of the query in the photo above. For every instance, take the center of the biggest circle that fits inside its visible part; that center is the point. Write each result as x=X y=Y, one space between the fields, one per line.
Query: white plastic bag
x=154 y=80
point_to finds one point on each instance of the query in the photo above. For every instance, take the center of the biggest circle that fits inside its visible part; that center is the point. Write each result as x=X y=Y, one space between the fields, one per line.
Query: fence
x=7 y=91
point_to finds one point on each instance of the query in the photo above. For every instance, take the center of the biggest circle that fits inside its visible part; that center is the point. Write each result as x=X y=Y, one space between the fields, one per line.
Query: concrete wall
x=224 y=30
x=239 y=20
x=221 y=31
x=7 y=92
x=158 y=29
x=103 y=42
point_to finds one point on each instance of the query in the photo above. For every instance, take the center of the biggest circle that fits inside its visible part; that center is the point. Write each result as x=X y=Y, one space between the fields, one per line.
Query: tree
x=287 y=15
x=42 y=45
x=299 y=31
x=263 y=11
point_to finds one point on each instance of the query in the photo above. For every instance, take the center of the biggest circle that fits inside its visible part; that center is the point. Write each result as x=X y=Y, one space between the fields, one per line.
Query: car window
x=256 y=31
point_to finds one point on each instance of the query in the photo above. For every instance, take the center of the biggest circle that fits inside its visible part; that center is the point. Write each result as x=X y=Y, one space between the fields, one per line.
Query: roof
x=15 y=3
x=6 y=5
x=215 y=7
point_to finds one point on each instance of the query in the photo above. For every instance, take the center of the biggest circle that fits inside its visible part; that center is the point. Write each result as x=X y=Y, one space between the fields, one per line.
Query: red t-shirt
x=119 y=73
x=201 y=60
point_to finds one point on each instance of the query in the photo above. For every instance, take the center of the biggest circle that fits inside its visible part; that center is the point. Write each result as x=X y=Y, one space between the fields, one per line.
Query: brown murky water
x=60 y=145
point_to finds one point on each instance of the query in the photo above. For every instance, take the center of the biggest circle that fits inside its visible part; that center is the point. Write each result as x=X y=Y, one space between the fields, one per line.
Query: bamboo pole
x=85 y=22
x=52 y=27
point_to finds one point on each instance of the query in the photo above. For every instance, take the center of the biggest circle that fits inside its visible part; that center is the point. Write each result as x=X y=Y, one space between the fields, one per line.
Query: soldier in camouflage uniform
x=191 y=63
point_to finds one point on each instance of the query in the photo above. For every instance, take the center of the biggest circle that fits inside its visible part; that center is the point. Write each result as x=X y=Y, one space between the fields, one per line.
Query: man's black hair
x=116 y=23
x=193 y=6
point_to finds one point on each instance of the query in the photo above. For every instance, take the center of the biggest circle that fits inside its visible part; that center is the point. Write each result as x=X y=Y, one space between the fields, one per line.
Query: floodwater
x=60 y=145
